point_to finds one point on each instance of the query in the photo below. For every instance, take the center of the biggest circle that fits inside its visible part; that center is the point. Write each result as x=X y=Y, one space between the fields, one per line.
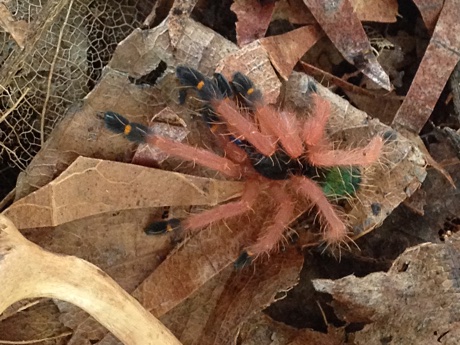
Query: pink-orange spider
x=269 y=150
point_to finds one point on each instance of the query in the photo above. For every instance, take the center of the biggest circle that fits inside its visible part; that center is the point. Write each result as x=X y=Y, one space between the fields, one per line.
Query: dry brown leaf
x=235 y=296
x=415 y=302
x=154 y=46
x=195 y=263
x=178 y=15
x=261 y=330
x=253 y=19
x=381 y=11
x=253 y=60
x=42 y=320
x=344 y=29
x=90 y=187
x=430 y=10
x=294 y=11
x=286 y=50
x=437 y=64
x=16 y=28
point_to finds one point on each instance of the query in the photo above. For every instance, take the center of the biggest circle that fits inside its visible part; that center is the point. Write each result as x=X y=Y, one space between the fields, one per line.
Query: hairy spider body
x=271 y=151
x=337 y=182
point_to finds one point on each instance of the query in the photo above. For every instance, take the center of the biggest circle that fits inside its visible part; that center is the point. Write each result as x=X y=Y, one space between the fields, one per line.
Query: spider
x=270 y=150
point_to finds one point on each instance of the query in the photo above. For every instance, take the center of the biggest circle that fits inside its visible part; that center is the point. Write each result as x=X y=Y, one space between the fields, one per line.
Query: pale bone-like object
x=28 y=271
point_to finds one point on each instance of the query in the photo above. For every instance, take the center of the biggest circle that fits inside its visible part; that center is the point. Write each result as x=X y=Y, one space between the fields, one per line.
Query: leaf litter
x=110 y=236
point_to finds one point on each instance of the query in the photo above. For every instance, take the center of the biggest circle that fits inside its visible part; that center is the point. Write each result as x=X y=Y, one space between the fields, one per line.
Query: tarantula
x=268 y=149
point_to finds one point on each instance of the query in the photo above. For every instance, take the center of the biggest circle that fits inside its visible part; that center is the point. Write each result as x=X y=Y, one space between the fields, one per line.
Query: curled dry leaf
x=404 y=304
x=439 y=61
x=429 y=9
x=342 y=26
x=253 y=19
x=27 y=271
x=287 y=49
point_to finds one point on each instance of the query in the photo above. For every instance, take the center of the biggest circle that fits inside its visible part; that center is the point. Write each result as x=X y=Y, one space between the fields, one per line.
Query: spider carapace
x=272 y=151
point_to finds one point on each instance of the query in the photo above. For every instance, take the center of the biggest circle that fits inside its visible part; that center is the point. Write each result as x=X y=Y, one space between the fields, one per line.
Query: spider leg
x=322 y=157
x=282 y=125
x=231 y=209
x=318 y=153
x=335 y=230
x=139 y=133
x=232 y=151
x=314 y=127
x=216 y=92
x=200 y=156
x=273 y=234
x=265 y=144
